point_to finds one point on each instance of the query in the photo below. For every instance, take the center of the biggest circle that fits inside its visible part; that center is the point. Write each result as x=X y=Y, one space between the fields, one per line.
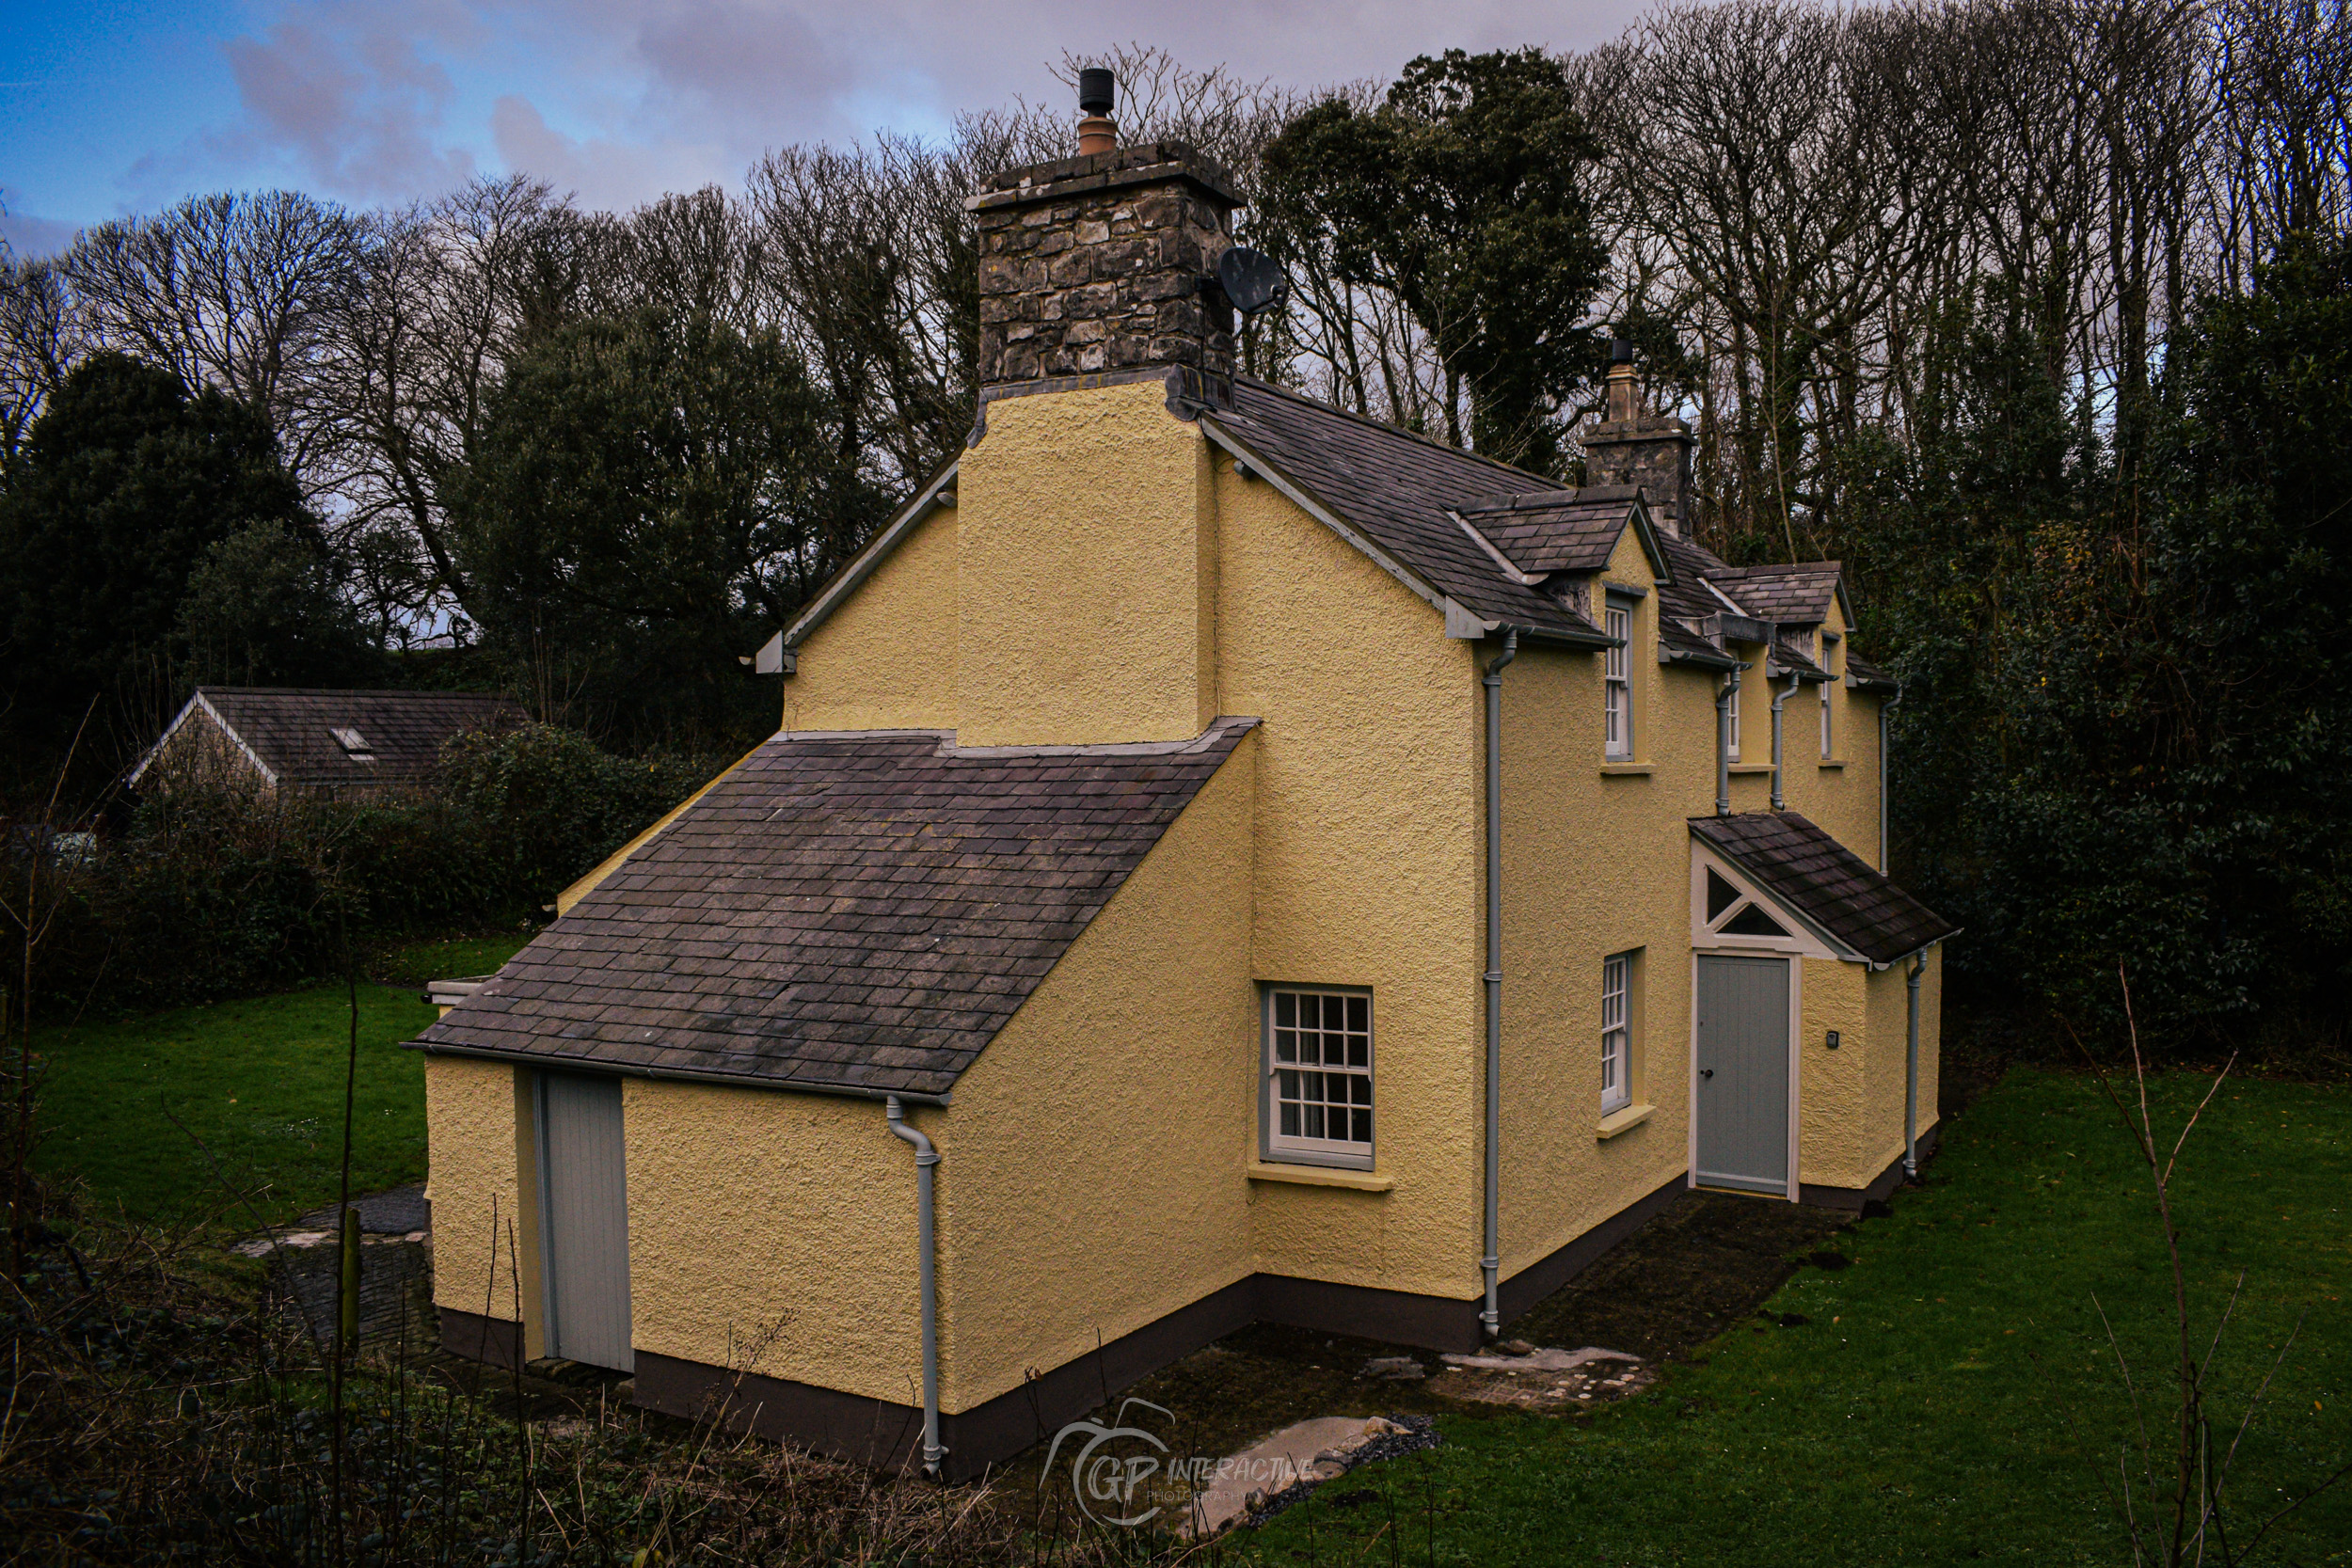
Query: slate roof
x=1800 y=594
x=291 y=730
x=843 y=911
x=1465 y=530
x=1828 y=883
x=1868 y=676
x=1556 y=531
x=1397 y=488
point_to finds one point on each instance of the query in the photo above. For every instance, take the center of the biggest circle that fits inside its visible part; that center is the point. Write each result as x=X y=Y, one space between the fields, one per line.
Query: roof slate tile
x=859 y=944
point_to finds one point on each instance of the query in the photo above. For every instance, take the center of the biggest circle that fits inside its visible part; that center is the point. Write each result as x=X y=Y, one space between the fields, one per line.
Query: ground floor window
x=1318 y=1075
x=1616 y=1033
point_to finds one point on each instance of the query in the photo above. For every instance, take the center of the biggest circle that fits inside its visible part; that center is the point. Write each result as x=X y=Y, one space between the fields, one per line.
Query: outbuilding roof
x=303 y=737
x=1836 y=890
x=855 y=911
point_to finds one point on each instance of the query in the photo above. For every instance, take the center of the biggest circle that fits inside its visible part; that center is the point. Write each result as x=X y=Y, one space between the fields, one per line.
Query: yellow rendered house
x=1224 y=859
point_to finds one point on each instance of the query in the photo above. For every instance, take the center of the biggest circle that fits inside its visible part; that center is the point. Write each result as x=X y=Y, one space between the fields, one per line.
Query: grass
x=1949 y=1396
x=259 y=1082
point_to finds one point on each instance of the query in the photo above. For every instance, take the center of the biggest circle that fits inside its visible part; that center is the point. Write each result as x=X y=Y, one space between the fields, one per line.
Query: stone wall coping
x=1650 y=427
x=1144 y=163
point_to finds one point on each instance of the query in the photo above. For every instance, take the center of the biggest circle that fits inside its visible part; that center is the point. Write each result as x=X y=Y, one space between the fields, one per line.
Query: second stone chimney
x=1103 y=263
x=1634 y=443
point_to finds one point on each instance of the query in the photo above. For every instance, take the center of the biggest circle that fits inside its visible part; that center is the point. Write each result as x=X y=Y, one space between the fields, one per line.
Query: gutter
x=670 y=1074
x=1778 y=699
x=1492 y=1260
x=1910 y=1071
x=926 y=1158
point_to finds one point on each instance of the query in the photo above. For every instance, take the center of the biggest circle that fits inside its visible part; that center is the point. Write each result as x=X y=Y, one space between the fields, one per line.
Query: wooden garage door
x=1744 y=1073
x=584 y=1213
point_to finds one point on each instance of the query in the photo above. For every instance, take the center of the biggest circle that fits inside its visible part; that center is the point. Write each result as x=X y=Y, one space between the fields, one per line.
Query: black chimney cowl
x=1097 y=89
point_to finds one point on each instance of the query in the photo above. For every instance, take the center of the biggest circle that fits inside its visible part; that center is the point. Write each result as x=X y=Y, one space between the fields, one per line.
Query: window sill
x=1321 y=1175
x=1623 y=1121
x=1628 y=769
x=1750 y=767
x=1830 y=763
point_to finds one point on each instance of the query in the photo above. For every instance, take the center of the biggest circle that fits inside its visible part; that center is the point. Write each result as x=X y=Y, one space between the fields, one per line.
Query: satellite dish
x=1251 y=279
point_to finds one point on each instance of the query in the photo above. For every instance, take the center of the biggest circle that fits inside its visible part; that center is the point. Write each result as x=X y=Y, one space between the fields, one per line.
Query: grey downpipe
x=1723 y=694
x=924 y=1158
x=1778 y=699
x=1910 y=1075
x=1491 y=1319
x=1886 y=770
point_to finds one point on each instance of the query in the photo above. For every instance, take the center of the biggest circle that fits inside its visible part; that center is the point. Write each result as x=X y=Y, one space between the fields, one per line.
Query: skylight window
x=355 y=745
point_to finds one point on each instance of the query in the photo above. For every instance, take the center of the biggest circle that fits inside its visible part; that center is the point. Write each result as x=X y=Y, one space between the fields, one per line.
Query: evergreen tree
x=124 y=484
x=650 y=497
x=1462 y=193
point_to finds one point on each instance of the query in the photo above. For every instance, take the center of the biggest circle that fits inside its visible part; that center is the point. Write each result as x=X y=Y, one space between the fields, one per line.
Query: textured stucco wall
x=772 y=1232
x=1842 y=800
x=478 y=1139
x=1841 y=1133
x=1093 y=1179
x=1594 y=864
x=886 y=658
x=1369 y=839
x=1087 y=573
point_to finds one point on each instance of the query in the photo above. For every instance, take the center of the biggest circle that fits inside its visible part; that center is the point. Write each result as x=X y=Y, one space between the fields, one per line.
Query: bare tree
x=234 y=291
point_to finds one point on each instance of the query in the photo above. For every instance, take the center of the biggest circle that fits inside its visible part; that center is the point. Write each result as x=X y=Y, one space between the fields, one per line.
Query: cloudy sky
x=116 y=106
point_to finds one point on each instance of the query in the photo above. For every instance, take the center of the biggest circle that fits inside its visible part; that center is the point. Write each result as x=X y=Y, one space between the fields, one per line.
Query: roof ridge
x=1386 y=428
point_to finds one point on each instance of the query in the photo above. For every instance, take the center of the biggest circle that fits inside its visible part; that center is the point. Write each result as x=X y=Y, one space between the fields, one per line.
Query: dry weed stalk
x=2200 y=1478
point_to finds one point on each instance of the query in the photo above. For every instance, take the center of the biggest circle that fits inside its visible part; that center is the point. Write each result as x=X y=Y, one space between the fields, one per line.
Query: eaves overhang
x=681 y=1075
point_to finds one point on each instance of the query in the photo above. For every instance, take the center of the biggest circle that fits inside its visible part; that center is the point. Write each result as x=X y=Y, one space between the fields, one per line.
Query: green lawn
x=259 y=1082
x=1951 y=1397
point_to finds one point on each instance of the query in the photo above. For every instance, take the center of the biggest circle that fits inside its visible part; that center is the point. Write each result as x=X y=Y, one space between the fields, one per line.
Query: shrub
x=548 y=804
x=213 y=891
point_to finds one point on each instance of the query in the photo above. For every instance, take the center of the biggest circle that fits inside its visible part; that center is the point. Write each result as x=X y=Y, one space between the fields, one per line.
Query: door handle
x=1706 y=1072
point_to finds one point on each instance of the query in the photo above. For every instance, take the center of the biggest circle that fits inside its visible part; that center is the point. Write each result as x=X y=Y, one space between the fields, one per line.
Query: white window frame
x=1731 y=748
x=1617 y=683
x=1829 y=663
x=1616 y=1032
x=1296 y=1145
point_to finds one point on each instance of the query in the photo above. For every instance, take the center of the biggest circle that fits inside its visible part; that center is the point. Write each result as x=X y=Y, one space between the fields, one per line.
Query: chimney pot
x=1097 y=95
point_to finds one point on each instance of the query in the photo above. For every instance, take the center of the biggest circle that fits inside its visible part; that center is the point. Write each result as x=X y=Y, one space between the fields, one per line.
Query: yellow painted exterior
x=478 y=1131
x=772 y=1233
x=1107 y=575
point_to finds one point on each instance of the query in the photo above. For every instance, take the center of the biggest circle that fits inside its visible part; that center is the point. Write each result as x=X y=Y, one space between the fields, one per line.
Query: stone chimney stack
x=1634 y=443
x=1101 y=264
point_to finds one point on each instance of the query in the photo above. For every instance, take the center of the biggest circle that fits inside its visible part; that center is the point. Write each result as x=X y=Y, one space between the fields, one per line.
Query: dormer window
x=1829 y=663
x=1617 y=683
x=355 y=745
